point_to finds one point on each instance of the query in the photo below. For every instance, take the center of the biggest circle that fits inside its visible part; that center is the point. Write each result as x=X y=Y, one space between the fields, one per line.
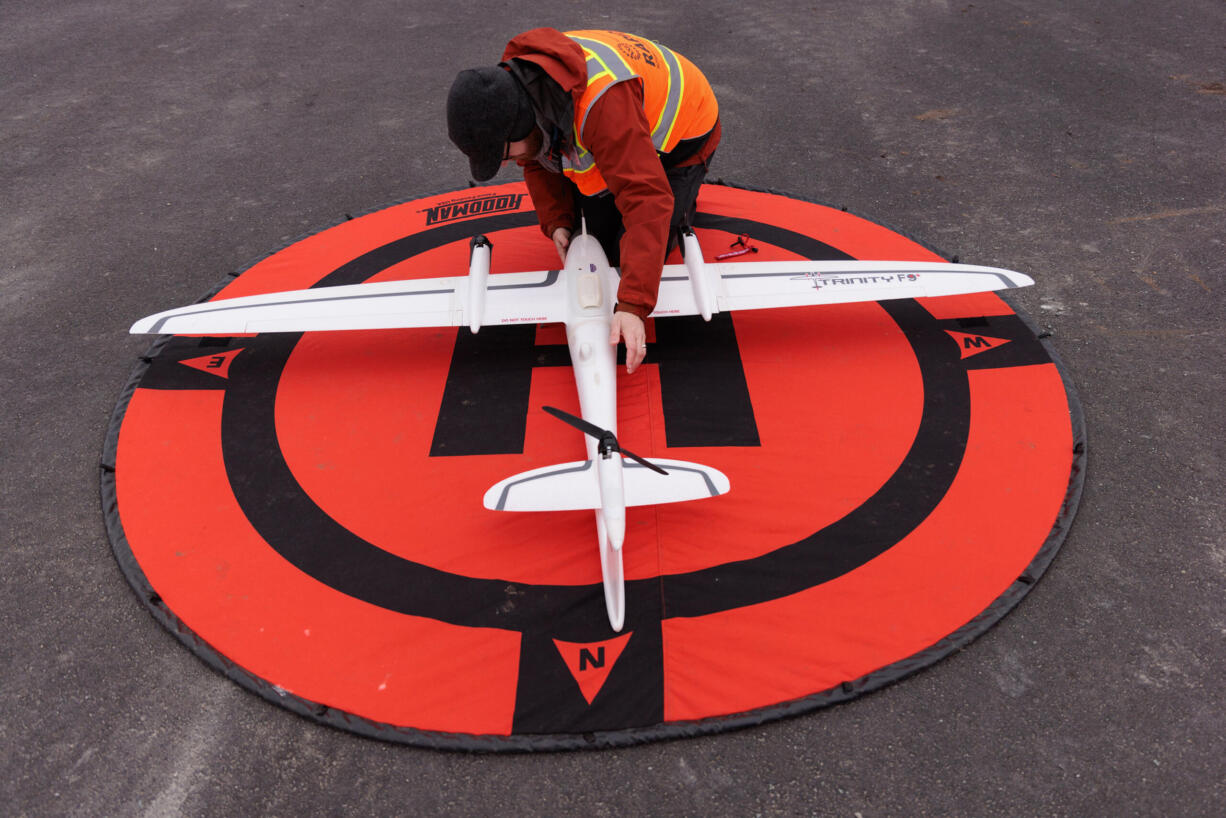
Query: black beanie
x=486 y=109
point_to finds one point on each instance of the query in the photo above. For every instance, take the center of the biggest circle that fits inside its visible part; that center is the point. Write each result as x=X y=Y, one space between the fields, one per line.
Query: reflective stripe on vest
x=608 y=61
x=606 y=67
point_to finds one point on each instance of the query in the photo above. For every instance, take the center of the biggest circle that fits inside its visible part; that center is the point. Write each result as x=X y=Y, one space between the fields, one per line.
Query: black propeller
x=607 y=441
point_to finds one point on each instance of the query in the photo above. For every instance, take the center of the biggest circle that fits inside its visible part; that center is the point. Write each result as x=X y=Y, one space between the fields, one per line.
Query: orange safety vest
x=677 y=99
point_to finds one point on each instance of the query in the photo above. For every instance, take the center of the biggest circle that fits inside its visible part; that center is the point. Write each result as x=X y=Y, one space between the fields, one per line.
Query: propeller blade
x=638 y=459
x=598 y=433
x=578 y=422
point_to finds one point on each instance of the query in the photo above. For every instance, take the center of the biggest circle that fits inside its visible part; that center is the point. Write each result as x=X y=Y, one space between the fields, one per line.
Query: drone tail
x=574 y=486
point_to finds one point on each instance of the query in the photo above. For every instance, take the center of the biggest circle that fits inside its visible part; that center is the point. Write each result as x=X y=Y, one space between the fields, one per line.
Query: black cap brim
x=484 y=168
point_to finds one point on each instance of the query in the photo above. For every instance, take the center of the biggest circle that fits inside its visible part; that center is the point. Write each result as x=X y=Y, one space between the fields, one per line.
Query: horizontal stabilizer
x=572 y=486
x=756 y=285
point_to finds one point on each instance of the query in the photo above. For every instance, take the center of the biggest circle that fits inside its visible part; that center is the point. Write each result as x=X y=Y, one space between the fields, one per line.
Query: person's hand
x=561 y=240
x=629 y=327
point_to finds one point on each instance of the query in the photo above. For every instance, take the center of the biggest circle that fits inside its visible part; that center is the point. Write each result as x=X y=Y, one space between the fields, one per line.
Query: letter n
x=586 y=658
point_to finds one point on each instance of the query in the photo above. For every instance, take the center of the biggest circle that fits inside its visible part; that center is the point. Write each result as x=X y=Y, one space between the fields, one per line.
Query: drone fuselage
x=591 y=295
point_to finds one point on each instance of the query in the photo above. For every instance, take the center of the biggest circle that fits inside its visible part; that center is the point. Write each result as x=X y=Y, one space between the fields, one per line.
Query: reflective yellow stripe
x=595 y=68
x=606 y=67
x=576 y=173
x=611 y=63
x=606 y=56
x=672 y=103
x=583 y=161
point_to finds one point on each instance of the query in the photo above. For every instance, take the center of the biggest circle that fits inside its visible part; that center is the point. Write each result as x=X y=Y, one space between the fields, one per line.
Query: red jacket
x=619 y=138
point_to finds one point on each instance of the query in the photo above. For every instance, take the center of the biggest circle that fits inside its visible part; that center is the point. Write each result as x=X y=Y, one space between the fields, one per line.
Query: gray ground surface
x=146 y=148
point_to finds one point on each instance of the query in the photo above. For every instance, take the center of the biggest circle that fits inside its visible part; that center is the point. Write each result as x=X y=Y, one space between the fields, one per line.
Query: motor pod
x=480 y=250
x=704 y=297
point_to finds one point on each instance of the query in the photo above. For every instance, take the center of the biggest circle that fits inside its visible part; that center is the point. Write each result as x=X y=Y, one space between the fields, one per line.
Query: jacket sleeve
x=617 y=134
x=551 y=196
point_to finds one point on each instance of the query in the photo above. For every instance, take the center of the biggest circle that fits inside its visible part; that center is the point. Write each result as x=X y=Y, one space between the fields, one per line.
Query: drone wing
x=765 y=284
x=431 y=302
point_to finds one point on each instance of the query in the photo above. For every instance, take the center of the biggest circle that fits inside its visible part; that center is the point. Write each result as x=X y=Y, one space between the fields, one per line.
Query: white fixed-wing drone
x=582 y=296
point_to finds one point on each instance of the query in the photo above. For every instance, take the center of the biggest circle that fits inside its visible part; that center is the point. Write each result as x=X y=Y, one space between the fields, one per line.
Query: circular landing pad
x=304 y=511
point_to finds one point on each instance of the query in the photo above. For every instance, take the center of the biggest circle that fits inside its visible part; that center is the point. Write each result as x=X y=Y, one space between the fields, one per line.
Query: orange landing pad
x=304 y=511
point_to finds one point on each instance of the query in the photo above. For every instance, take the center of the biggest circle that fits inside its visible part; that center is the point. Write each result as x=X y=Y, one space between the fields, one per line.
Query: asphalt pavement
x=148 y=148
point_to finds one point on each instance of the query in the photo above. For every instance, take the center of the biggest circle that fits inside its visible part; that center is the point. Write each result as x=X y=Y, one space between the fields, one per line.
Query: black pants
x=604 y=221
